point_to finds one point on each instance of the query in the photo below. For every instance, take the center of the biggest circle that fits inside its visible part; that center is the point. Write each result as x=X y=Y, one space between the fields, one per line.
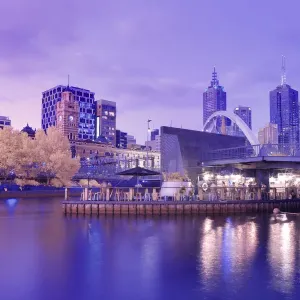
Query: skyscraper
x=106 y=120
x=244 y=112
x=214 y=98
x=284 y=111
x=85 y=98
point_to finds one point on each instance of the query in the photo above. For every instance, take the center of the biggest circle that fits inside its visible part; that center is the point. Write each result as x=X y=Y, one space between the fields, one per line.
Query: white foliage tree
x=47 y=154
x=9 y=145
x=54 y=157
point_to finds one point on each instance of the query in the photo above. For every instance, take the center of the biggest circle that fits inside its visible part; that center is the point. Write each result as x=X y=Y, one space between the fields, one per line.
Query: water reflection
x=227 y=248
x=210 y=252
x=282 y=254
x=46 y=255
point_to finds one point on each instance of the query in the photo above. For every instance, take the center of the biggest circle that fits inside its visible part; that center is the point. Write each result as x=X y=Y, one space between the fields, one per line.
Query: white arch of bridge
x=209 y=124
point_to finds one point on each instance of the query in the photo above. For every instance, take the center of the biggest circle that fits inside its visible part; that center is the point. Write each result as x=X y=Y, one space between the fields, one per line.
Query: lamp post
x=147 y=147
x=88 y=173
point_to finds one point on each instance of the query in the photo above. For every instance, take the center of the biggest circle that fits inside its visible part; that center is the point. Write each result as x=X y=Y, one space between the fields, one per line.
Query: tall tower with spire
x=214 y=98
x=283 y=71
x=284 y=111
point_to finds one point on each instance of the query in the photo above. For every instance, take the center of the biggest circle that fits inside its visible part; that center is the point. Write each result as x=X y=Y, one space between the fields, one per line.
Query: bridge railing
x=254 y=151
x=188 y=194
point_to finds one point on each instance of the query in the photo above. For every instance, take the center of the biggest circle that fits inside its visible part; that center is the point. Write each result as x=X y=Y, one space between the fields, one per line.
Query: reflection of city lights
x=229 y=248
x=281 y=253
x=11 y=202
x=210 y=251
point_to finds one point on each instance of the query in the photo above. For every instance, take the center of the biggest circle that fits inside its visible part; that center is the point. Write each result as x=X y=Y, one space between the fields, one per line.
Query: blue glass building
x=214 y=98
x=245 y=113
x=284 y=111
x=87 y=106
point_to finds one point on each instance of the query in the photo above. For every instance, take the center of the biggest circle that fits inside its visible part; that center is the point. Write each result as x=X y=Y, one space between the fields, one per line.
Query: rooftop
x=71 y=87
x=4 y=118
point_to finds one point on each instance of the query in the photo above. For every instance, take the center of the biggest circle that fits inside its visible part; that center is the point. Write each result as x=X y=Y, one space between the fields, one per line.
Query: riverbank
x=40 y=193
x=178 y=207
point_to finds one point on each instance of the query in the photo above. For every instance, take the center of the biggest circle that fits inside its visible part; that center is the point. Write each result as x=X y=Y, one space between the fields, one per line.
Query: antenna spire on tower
x=215 y=81
x=68 y=80
x=283 y=71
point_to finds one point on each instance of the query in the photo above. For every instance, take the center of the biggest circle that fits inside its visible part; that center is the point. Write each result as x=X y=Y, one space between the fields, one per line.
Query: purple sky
x=154 y=58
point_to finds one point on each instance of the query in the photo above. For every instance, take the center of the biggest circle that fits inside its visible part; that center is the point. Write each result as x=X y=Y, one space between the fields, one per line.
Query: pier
x=177 y=207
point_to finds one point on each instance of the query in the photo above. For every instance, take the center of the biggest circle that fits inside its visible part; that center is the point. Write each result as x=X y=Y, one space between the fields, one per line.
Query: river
x=46 y=255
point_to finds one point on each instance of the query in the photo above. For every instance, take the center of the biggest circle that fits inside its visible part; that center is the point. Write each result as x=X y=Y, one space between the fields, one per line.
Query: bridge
x=254 y=153
x=211 y=125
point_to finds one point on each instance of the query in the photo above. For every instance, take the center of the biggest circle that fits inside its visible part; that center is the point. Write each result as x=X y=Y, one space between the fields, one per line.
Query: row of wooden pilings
x=144 y=208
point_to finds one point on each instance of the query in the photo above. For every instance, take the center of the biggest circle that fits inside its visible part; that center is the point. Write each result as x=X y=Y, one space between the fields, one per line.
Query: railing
x=189 y=194
x=254 y=151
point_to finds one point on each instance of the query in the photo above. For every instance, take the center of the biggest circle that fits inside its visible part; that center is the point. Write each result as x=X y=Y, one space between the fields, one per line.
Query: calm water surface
x=45 y=255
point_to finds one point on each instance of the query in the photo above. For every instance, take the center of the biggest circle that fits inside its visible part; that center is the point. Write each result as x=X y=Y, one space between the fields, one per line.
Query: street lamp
x=88 y=173
x=147 y=147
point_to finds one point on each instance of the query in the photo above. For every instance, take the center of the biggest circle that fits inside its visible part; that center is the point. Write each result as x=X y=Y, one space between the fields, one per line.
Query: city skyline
x=132 y=59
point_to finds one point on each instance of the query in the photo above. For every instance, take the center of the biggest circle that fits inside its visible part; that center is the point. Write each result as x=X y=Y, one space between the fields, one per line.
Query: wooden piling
x=177 y=208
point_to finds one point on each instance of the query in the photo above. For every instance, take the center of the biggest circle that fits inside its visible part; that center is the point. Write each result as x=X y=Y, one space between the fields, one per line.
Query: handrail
x=182 y=193
x=265 y=150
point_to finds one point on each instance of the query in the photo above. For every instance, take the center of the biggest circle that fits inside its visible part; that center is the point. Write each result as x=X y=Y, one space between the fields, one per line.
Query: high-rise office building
x=268 y=134
x=106 y=117
x=4 y=122
x=244 y=112
x=121 y=139
x=284 y=111
x=86 y=100
x=154 y=133
x=214 y=98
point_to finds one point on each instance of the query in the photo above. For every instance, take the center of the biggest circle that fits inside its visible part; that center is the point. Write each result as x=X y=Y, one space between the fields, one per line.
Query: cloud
x=155 y=91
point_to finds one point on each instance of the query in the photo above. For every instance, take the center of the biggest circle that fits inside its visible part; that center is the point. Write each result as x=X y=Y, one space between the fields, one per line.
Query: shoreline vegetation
x=46 y=159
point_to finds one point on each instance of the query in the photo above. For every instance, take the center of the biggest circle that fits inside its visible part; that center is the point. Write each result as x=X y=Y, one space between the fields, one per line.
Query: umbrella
x=138 y=171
